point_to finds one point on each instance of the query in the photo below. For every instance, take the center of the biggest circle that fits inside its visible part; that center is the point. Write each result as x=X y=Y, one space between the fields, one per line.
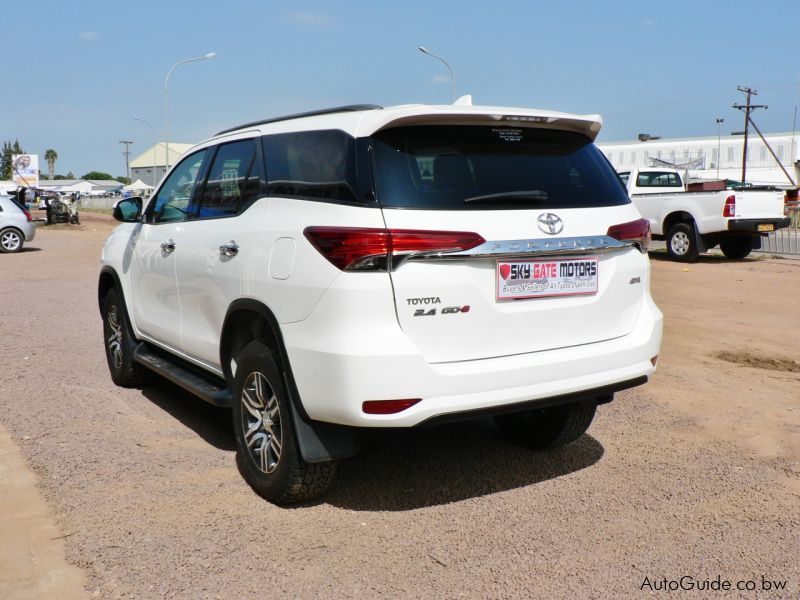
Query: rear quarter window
x=324 y=165
x=487 y=167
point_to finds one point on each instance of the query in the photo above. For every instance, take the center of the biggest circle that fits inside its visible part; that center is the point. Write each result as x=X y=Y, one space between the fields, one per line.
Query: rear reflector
x=654 y=360
x=388 y=407
x=368 y=249
x=730 y=207
x=637 y=231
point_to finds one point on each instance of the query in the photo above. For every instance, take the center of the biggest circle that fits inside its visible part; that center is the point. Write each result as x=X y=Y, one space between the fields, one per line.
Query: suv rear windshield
x=483 y=167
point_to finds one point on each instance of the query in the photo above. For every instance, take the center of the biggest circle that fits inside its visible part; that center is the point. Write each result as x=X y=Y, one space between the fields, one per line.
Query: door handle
x=167 y=247
x=230 y=249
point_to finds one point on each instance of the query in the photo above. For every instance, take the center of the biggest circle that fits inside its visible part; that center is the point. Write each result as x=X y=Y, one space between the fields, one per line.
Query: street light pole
x=155 y=153
x=166 y=86
x=719 y=138
x=424 y=50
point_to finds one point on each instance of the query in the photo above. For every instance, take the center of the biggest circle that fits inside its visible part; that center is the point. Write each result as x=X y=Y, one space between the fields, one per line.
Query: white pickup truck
x=696 y=221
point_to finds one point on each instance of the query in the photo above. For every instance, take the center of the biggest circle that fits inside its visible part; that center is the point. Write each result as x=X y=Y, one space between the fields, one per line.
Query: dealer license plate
x=766 y=227
x=518 y=279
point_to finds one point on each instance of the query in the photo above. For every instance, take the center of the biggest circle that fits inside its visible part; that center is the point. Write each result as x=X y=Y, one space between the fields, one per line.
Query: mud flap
x=700 y=241
x=321 y=442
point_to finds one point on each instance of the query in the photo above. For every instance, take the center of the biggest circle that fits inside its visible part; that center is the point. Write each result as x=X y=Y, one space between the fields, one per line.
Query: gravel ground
x=696 y=474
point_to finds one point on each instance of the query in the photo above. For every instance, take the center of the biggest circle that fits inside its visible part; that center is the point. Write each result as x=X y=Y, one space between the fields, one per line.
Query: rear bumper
x=29 y=231
x=752 y=225
x=372 y=359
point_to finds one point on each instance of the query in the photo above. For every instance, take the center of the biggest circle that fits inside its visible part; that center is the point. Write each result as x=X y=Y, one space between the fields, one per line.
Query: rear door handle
x=168 y=247
x=230 y=249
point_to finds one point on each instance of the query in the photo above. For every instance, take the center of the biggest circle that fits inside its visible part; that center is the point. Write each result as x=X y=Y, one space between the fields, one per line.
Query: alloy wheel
x=261 y=422
x=114 y=336
x=10 y=241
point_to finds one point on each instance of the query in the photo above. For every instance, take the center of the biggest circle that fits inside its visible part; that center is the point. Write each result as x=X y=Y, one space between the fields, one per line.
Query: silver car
x=16 y=226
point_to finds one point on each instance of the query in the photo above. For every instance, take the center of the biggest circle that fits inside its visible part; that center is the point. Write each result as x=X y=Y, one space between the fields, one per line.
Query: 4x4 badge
x=550 y=224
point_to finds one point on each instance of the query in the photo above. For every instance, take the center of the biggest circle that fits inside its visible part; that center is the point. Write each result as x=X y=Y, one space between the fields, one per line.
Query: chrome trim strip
x=593 y=244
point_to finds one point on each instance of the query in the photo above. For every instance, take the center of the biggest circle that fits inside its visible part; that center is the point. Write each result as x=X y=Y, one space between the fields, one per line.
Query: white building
x=150 y=165
x=84 y=186
x=699 y=156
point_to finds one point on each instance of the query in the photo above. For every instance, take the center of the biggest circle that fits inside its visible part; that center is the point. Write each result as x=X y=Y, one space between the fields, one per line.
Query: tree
x=70 y=175
x=97 y=175
x=123 y=179
x=57 y=177
x=6 y=164
x=51 y=156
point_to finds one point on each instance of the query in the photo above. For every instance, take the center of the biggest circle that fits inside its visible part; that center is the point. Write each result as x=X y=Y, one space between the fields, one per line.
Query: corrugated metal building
x=700 y=156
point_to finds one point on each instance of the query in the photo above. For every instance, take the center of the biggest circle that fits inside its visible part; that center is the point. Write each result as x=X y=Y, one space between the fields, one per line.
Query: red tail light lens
x=387 y=407
x=367 y=249
x=634 y=231
x=730 y=207
x=27 y=214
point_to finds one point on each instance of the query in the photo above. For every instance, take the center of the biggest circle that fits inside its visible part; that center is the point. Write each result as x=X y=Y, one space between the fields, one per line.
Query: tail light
x=730 y=207
x=367 y=249
x=634 y=231
x=27 y=214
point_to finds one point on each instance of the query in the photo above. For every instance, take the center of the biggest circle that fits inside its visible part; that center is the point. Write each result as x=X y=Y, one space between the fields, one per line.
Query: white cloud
x=88 y=36
x=309 y=18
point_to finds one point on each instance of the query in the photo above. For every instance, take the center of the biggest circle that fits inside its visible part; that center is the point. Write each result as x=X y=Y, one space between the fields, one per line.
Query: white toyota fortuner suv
x=368 y=267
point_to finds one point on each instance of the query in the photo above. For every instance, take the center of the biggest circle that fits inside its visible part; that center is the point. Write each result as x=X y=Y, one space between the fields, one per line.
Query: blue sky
x=76 y=73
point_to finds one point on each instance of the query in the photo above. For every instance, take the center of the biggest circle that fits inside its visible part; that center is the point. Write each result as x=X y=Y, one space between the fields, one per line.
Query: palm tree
x=51 y=156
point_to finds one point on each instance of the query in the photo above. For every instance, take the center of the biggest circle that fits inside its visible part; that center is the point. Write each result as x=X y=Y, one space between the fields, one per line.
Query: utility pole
x=747 y=109
x=720 y=121
x=127 y=154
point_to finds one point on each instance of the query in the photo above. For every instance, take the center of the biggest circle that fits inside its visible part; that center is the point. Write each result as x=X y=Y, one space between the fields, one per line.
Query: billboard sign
x=25 y=171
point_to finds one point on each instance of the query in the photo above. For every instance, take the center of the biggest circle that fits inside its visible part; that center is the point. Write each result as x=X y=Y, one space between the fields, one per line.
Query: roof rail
x=313 y=113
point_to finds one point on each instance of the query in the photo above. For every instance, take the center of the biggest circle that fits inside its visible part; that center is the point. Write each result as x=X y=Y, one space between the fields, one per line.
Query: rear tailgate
x=450 y=308
x=759 y=204
x=507 y=184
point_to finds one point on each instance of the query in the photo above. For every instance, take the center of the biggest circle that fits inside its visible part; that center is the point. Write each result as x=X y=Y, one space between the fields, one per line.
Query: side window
x=658 y=179
x=314 y=165
x=234 y=180
x=171 y=204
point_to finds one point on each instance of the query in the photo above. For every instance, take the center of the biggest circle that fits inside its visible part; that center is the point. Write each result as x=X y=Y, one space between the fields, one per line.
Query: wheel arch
x=107 y=280
x=678 y=216
x=250 y=320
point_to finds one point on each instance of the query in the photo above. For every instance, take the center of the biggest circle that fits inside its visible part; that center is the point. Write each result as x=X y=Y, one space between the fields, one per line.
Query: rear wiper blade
x=537 y=195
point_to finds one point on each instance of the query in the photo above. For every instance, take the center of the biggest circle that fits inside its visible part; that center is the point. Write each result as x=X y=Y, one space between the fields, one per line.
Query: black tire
x=266 y=446
x=735 y=248
x=11 y=240
x=120 y=344
x=681 y=242
x=547 y=428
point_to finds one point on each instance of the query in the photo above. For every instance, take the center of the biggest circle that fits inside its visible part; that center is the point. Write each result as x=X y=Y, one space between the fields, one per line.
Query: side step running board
x=186 y=378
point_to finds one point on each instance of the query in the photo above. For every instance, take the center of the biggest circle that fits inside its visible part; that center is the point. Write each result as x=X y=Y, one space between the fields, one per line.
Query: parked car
x=363 y=268
x=16 y=225
x=693 y=222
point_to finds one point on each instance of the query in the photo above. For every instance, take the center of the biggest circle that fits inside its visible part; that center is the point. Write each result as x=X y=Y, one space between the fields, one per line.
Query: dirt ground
x=696 y=474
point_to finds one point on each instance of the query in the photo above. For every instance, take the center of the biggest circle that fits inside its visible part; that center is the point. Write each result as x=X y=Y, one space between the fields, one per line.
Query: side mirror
x=128 y=210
